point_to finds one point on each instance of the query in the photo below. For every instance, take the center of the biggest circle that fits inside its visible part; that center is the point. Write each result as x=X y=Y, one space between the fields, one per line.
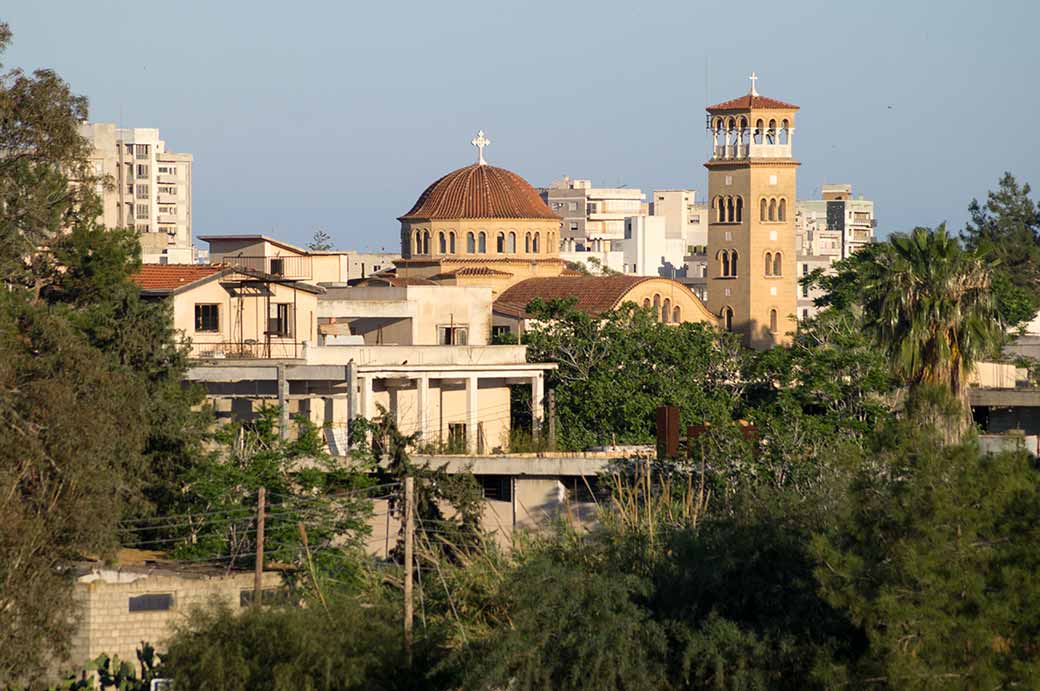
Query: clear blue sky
x=337 y=114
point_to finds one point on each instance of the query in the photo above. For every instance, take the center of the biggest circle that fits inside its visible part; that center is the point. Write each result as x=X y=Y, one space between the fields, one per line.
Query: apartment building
x=828 y=230
x=149 y=190
x=592 y=216
x=262 y=253
x=684 y=217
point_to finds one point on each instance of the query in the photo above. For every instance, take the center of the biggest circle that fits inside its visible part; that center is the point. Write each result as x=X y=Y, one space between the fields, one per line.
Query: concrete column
x=352 y=391
x=283 y=401
x=367 y=398
x=422 y=385
x=537 y=400
x=471 y=414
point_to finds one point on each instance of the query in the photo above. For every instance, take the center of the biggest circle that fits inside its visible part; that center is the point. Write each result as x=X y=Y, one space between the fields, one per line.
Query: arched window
x=511 y=246
x=657 y=306
x=535 y=243
x=482 y=242
x=500 y=243
x=442 y=243
x=527 y=243
x=730 y=212
x=784 y=139
x=743 y=130
x=451 y=242
x=733 y=263
x=740 y=209
x=769 y=263
x=782 y=213
x=677 y=315
x=426 y=242
x=762 y=209
x=646 y=302
x=759 y=131
x=778 y=265
x=720 y=212
x=418 y=242
x=666 y=310
x=771 y=133
x=772 y=320
x=772 y=209
x=727 y=314
x=724 y=263
x=471 y=244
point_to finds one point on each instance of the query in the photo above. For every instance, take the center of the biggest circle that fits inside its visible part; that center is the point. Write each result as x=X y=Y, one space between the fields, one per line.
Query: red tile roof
x=747 y=101
x=160 y=277
x=480 y=191
x=596 y=294
x=472 y=271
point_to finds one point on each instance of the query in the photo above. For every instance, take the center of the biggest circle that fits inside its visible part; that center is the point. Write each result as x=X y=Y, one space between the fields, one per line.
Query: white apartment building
x=684 y=217
x=150 y=189
x=592 y=216
x=829 y=230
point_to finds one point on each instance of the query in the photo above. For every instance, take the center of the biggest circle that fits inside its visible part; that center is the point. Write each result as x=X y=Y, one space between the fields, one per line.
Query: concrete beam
x=1004 y=398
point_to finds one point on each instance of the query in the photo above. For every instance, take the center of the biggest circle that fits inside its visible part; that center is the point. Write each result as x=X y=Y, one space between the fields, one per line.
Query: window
x=772 y=320
x=471 y=244
x=769 y=264
x=805 y=290
x=782 y=215
x=207 y=318
x=527 y=243
x=534 y=242
x=778 y=267
x=733 y=264
x=277 y=266
x=453 y=335
x=142 y=211
x=442 y=243
x=500 y=243
x=482 y=243
x=666 y=310
x=574 y=227
x=426 y=242
x=511 y=242
x=762 y=209
x=572 y=206
x=805 y=313
x=279 y=319
x=142 y=152
x=159 y=602
x=268 y=596
x=451 y=242
x=677 y=315
x=167 y=189
x=142 y=191
x=498 y=487
x=168 y=210
x=728 y=314
x=142 y=170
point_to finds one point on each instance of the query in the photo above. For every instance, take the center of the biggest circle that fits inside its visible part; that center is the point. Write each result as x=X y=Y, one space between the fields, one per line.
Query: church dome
x=479 y=191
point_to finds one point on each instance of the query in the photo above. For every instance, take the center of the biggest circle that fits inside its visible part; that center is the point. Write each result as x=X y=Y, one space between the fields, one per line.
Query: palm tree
x=928 y=303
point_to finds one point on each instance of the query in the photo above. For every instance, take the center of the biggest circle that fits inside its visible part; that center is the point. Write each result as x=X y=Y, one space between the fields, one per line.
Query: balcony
x=248 y=349
x=167 y=198
x=292 y=267
x=167 y=179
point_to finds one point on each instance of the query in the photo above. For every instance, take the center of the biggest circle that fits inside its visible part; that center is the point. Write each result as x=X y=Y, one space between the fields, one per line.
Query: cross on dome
x=480 y=142
x=753 y=78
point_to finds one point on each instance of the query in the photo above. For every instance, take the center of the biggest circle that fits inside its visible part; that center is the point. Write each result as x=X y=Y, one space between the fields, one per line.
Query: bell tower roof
x=752 y=99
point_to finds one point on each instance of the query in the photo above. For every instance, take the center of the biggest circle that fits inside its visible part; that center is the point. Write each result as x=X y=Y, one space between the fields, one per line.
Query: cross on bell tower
x=753 y=78
x=480 y=141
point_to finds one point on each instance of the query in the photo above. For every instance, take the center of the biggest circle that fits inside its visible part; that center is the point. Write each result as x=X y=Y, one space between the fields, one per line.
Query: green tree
x=71 y=459
x=320 y=242
x=928 y=304
x=935 y=558
x=1005 y=231
x=617 y=368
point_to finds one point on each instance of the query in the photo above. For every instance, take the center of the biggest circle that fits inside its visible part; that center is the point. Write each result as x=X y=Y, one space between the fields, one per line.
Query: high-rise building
x=150 y=189
x=684 y=217
x=752 y=180
x=593 y=217
x=828 y=230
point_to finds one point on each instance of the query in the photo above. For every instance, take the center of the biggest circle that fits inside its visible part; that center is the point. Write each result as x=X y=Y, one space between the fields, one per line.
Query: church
x=482 y=225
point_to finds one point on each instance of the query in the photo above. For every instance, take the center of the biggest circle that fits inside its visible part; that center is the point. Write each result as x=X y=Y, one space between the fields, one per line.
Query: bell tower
x=752 y=179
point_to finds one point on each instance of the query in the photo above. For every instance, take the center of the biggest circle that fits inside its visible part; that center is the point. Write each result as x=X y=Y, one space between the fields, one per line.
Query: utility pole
x=409 y=537
x=258 y=576
x=283 y=402
x=552 y=418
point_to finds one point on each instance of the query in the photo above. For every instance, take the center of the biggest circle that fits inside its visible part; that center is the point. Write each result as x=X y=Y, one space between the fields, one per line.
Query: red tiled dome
x=479 y=191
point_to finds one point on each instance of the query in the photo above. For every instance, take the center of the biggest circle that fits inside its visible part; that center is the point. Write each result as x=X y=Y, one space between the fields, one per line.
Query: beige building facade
x=752 y=182
x=271 y=256
x=228 y=312
x=149 y=189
